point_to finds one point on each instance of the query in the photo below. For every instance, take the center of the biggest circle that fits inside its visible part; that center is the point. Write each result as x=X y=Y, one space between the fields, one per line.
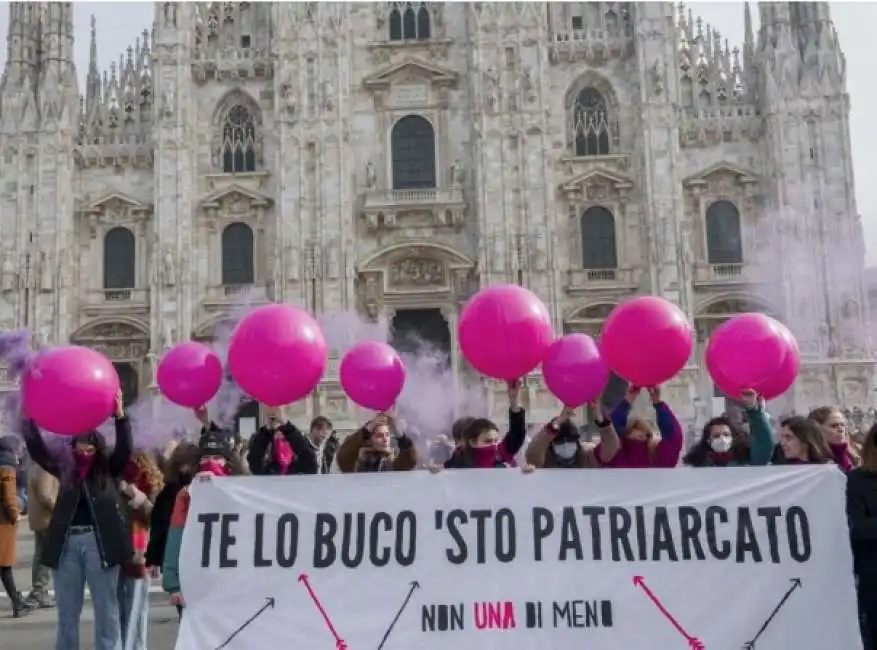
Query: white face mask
x=566 y=450
x=722 y=444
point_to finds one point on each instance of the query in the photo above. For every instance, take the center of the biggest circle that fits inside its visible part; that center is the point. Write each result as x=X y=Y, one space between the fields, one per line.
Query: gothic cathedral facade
x=391 y=158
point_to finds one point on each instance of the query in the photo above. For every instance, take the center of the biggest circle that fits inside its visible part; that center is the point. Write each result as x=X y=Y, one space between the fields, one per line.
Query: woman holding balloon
x=641 y=446
x=88 y=537
x=558 y=445
x=280 y=449
x=370 y=448
x=723 y=445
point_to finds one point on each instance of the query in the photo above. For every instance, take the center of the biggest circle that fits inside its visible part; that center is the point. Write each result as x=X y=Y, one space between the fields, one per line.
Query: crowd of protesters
x=113 y=519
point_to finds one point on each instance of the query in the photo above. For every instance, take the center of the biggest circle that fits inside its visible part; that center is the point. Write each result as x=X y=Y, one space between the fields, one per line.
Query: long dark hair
x=698 y=455
x=100 y=466
x=808 y=432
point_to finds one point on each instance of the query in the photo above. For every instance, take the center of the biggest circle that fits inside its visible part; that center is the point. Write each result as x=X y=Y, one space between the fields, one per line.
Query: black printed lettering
x=593 y=514
x=721 y=550
x=456 y=519
x=619 y=528
x=325 y=528
x=543 y=526
x=798 y=534
x=663 y=547
x=287 y=540
x=746 y=542
x=207 y=520
x=227 y=540
x=570 y=540
x=259 y=559
x=690 y=525
x=365 y=537
x=771 y=518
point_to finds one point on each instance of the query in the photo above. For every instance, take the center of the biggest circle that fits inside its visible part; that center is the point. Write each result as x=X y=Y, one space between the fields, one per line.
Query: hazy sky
x=118 y=24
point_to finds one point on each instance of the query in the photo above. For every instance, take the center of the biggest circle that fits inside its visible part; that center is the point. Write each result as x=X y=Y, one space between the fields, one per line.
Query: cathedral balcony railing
x=591 y=44
x=228 y=295
x=400 y=208
x=583 y=280
x=720 y=274
x=216 y=63
x=104 y=301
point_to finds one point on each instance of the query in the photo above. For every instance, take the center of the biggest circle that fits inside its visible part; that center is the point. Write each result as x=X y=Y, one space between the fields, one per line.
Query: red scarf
x=283 y=455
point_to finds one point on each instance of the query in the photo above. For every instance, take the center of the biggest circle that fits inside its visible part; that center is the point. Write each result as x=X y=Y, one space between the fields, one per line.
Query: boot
x=20 y=607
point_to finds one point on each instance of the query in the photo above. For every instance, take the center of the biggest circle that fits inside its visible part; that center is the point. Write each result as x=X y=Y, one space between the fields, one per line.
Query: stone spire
x=93 y=80
x=18 y=86
x=58 y=86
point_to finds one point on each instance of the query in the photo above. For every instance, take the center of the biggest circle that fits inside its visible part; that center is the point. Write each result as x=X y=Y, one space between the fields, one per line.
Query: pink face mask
x=83 y=460
x=213 y=467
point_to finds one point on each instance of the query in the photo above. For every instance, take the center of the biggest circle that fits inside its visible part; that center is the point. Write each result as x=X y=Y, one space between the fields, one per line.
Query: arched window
x=410 y=21
x=724 y=245
x=598 y=239
x=129 y=382
x=413 y=145
x=591 y=124
x=120 y=252
x=239 y=141
x=238 y=258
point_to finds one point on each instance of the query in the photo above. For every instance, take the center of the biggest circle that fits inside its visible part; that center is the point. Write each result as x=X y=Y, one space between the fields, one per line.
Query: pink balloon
x=372 y=375
x=785 y=376
x=504 y=331
x=189 y=374
x=277 y=354
x=745 y=351
x=575 y=370
x=69 y=390
x=647 y=340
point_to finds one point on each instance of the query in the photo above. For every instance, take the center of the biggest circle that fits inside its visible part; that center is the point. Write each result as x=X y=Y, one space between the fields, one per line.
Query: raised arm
x=36 y=448
x=621 y=412
x=538 y=446
x=672 y=436
x=516 y=436
x=258 y=448
x=760 y=434
x=124 y=446
x=610 y=442
x=305 y=454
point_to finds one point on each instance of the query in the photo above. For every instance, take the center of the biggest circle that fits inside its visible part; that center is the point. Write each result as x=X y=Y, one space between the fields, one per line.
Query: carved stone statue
x=10 y=277
x=44 y=336
x=293 y=263
x=169 y=268
x=539 y=252
x=168 y=97
x=527 y=84
x=657 y=78
x=170 y=14
x=167 y=337
x=491 y=89
x=288 y=95
x=46 y=272
x=152 y=361
x=328 y=95
x=371 y=176
x=458 y=173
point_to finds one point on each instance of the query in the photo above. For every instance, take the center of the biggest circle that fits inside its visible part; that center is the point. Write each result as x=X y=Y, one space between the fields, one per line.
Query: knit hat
x=213 y=443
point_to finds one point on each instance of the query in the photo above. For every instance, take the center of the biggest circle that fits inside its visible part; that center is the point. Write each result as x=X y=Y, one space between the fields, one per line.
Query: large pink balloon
x=504 y=331
x=189 y=374
x=785 y=376
x=372 y=375
x=277 y=354
x=745 y=351
x=69 y=390
x=647 y=340
x=574 y=370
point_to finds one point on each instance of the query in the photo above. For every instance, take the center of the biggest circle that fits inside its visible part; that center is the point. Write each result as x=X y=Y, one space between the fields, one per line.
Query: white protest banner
x=719 y=559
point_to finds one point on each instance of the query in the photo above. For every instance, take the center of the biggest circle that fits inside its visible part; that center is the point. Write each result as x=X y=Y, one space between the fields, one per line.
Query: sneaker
x=39 y=600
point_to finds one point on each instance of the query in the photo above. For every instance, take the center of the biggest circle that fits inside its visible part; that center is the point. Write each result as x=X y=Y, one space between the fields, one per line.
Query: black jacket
x=862 y=516
x=260 y=457
x=111 y=523
x=512 y=442
x=160 y=523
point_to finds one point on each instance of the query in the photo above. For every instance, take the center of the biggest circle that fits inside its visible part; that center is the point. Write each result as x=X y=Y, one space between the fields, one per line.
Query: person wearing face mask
x=89 y=535
x=179 y=469
x=559 y=446
x=641 y=446
x=280 y=449
x=511 y=443
x=482 y=448
x=371 y=450
x=723 y=445
x=216 y=460
x=835 y=429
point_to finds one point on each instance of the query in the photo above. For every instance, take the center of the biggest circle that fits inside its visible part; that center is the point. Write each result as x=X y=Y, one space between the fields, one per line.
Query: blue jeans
x=80 y=564
x=133 y=611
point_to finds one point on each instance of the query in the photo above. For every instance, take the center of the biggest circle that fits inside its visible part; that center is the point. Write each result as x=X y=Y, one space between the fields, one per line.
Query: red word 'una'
x=499 y=615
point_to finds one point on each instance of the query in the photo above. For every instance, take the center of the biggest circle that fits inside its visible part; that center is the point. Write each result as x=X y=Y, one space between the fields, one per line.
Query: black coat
x=862 y=516
x=111 y=523
x=160 y=523
x=260 y=458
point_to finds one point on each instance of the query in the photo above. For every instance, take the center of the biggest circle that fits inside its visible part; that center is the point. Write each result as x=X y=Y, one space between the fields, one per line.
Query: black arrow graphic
x=414 y=587
x=796 y=584
x=269 y=604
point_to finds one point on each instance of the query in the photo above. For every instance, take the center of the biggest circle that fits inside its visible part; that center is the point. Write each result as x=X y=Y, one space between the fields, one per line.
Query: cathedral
x=391 y=158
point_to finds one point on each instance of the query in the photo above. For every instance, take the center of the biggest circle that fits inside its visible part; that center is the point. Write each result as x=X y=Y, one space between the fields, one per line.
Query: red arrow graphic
x=693 y=643
x=339 y=642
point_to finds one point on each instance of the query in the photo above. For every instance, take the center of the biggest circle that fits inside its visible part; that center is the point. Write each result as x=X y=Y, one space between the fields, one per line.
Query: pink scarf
x=283 y=453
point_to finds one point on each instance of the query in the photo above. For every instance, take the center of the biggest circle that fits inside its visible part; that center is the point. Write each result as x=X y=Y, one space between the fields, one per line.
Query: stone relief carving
x=169 y=268
x=491 y=90
x=458 y=173
x=418 y=272
x=371 y=176
x=47 y=272
x=289 y=98
x=656 y=77
x=9 y=273
x=372 y=297
x=117 y=341
x=539 y=251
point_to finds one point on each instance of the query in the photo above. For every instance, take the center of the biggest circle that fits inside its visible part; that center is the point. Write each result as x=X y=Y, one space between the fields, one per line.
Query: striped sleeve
x=171 y=568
